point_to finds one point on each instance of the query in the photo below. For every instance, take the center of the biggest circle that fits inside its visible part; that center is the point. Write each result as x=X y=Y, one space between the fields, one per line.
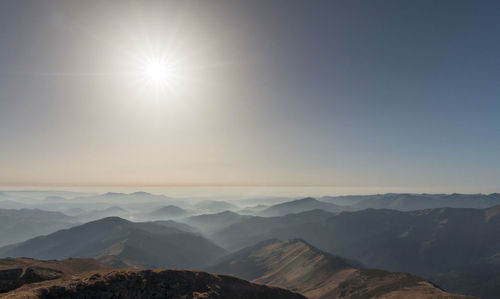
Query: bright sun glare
x=157 y=73
x=162 y=70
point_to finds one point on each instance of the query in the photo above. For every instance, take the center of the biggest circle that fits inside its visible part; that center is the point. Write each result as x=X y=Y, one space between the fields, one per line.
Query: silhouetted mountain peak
x=141 y=193
x=306 y=199
x=112 y=220
x=297 y=241
x=210 y=223
x=298 y=206
x=114 y=194
x=114 y=209
x=169 y=211
x=227 y=213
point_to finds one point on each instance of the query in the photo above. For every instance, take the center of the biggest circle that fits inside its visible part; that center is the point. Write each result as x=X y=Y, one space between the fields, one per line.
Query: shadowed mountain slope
x=122 y=243
x=257 y=229
x=420 y=242
x=297 y=266
x=481 y=280
x=178 y=225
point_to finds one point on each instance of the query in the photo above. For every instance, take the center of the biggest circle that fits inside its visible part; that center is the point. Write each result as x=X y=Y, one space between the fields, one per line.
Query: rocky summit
x=58 y=280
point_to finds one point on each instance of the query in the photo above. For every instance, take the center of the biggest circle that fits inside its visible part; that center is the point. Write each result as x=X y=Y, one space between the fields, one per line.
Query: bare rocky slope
x=297 y=266
x=15 y=272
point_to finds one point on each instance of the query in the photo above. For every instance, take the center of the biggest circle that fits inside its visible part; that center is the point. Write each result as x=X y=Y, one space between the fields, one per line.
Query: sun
x=157 y=73
x=161 y=70
x=160 y=74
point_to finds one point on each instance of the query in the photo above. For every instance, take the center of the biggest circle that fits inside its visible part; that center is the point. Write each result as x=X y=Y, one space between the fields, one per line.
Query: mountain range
x=458 y=249
x=411 y=202
x=293 y=265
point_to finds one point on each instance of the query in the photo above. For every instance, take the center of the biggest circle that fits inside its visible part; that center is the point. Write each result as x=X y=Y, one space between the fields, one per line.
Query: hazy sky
x=333 y=93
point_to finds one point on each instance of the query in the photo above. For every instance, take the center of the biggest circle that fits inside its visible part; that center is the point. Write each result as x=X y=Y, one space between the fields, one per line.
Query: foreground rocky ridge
x=16 y=272
x=59 y=280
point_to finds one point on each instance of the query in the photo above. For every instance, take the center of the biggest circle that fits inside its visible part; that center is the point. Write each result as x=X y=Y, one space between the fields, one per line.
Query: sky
x=393 y=94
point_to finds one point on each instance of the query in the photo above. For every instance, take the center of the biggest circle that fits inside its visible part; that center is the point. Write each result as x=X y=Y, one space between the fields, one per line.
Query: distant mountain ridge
x=393 y=201
x=20 y=225
x=122 y=243
x=410 y=201
x=214 y=206
x=170 y=211
x=113 y=211
x=210 y=223
x=298 y=206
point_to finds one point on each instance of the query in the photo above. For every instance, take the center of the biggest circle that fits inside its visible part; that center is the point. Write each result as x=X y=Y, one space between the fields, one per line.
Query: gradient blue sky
x=401 y=94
